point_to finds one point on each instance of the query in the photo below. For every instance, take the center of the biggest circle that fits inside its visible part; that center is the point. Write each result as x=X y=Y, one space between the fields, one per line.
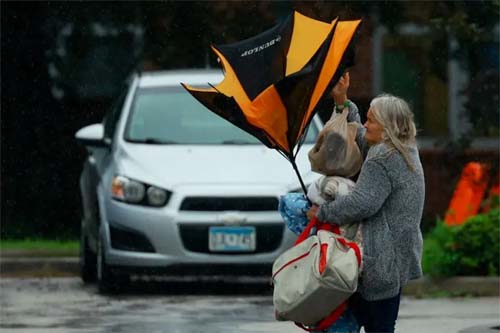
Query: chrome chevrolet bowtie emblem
x=232 y=218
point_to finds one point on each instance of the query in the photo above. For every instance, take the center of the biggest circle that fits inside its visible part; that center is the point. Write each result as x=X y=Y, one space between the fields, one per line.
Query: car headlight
x=157 y=196
x=132 y=191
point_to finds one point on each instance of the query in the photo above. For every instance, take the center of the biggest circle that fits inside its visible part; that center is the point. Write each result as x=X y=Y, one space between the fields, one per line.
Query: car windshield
x=170 y=115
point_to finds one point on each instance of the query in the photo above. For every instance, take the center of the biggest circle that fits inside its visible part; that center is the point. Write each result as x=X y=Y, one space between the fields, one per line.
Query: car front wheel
x=108 y=281
x=87 y=261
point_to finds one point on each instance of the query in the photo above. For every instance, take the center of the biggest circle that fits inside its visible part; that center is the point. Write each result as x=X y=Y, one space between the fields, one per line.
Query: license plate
x=231 y=239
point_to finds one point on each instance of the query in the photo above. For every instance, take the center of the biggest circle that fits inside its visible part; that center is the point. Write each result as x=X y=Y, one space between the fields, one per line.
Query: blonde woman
x=388 y=199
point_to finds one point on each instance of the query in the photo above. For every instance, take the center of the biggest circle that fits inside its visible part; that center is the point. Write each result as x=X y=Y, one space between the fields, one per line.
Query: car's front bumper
x=164 y=228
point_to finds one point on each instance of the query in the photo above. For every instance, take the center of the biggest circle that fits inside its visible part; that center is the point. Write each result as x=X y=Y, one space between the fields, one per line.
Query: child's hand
x=312 y=212
x=331 y=189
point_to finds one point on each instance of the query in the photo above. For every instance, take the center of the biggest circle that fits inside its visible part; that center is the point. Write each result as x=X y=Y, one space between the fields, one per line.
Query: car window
x=111 y=118
x=171 y=115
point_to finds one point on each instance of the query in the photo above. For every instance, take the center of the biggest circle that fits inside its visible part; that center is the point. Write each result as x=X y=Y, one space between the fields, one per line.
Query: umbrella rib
x=291 y=159
x=282 y=154
x=301 y=141
x=211 y=85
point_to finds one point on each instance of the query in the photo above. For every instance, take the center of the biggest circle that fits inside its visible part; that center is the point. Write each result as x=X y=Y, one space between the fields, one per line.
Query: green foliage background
x=471 y=249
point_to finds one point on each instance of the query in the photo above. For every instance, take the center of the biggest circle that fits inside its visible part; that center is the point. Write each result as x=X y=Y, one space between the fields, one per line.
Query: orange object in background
x=468 y=194
x=494 y=192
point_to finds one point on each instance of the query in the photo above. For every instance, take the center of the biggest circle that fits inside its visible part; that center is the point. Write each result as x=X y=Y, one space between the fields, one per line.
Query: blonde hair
x=395 y=116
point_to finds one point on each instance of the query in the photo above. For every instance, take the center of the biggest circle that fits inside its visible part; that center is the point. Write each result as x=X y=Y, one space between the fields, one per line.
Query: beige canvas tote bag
x=315 y=277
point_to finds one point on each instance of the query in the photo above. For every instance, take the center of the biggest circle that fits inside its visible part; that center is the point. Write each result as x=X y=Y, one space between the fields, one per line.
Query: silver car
x=170 y=187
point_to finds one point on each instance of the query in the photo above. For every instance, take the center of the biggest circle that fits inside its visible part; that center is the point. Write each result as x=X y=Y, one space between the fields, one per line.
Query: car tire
x=88 y=259
x=108 y=281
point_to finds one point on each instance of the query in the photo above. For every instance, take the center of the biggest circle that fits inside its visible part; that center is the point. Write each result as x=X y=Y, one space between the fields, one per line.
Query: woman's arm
x=339 y=94
x=371 y=190
x=353 y=115
x=361 y=142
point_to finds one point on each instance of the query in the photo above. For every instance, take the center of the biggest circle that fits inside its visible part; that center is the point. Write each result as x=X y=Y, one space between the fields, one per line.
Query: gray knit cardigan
x=388 y=199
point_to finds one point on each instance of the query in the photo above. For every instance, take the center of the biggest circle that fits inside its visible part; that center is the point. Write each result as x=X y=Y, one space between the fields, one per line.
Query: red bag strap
x=314 y=222
x=353 y=246
x=330 y=227
x=307 y=231
x=335 y=229
x=328 y=321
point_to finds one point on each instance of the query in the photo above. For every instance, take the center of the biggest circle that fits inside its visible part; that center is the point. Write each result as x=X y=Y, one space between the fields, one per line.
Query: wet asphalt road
x=65 y=305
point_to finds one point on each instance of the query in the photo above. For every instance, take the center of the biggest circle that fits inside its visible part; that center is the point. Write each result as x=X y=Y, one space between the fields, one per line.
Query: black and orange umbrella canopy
x=273 y=81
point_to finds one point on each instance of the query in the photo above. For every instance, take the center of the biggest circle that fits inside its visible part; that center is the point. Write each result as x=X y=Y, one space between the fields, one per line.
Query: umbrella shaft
x=300 y=179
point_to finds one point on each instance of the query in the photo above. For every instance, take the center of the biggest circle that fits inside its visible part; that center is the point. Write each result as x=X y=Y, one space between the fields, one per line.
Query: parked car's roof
x=195 y=77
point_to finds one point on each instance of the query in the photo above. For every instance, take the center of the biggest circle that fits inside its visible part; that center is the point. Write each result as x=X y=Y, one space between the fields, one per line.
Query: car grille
x=195 y=238
x=217 y=204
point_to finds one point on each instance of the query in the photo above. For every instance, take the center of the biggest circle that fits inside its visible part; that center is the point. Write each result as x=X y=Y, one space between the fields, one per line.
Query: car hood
x=173 y=165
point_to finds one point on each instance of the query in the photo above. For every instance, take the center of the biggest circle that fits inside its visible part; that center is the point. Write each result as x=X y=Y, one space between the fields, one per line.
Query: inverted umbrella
x=273 y=81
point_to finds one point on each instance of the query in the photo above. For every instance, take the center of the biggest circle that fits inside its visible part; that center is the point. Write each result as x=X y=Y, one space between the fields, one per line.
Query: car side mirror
x=92 y=136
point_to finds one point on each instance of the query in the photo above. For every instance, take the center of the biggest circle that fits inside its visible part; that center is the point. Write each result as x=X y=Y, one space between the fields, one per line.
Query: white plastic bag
x=336 y=152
